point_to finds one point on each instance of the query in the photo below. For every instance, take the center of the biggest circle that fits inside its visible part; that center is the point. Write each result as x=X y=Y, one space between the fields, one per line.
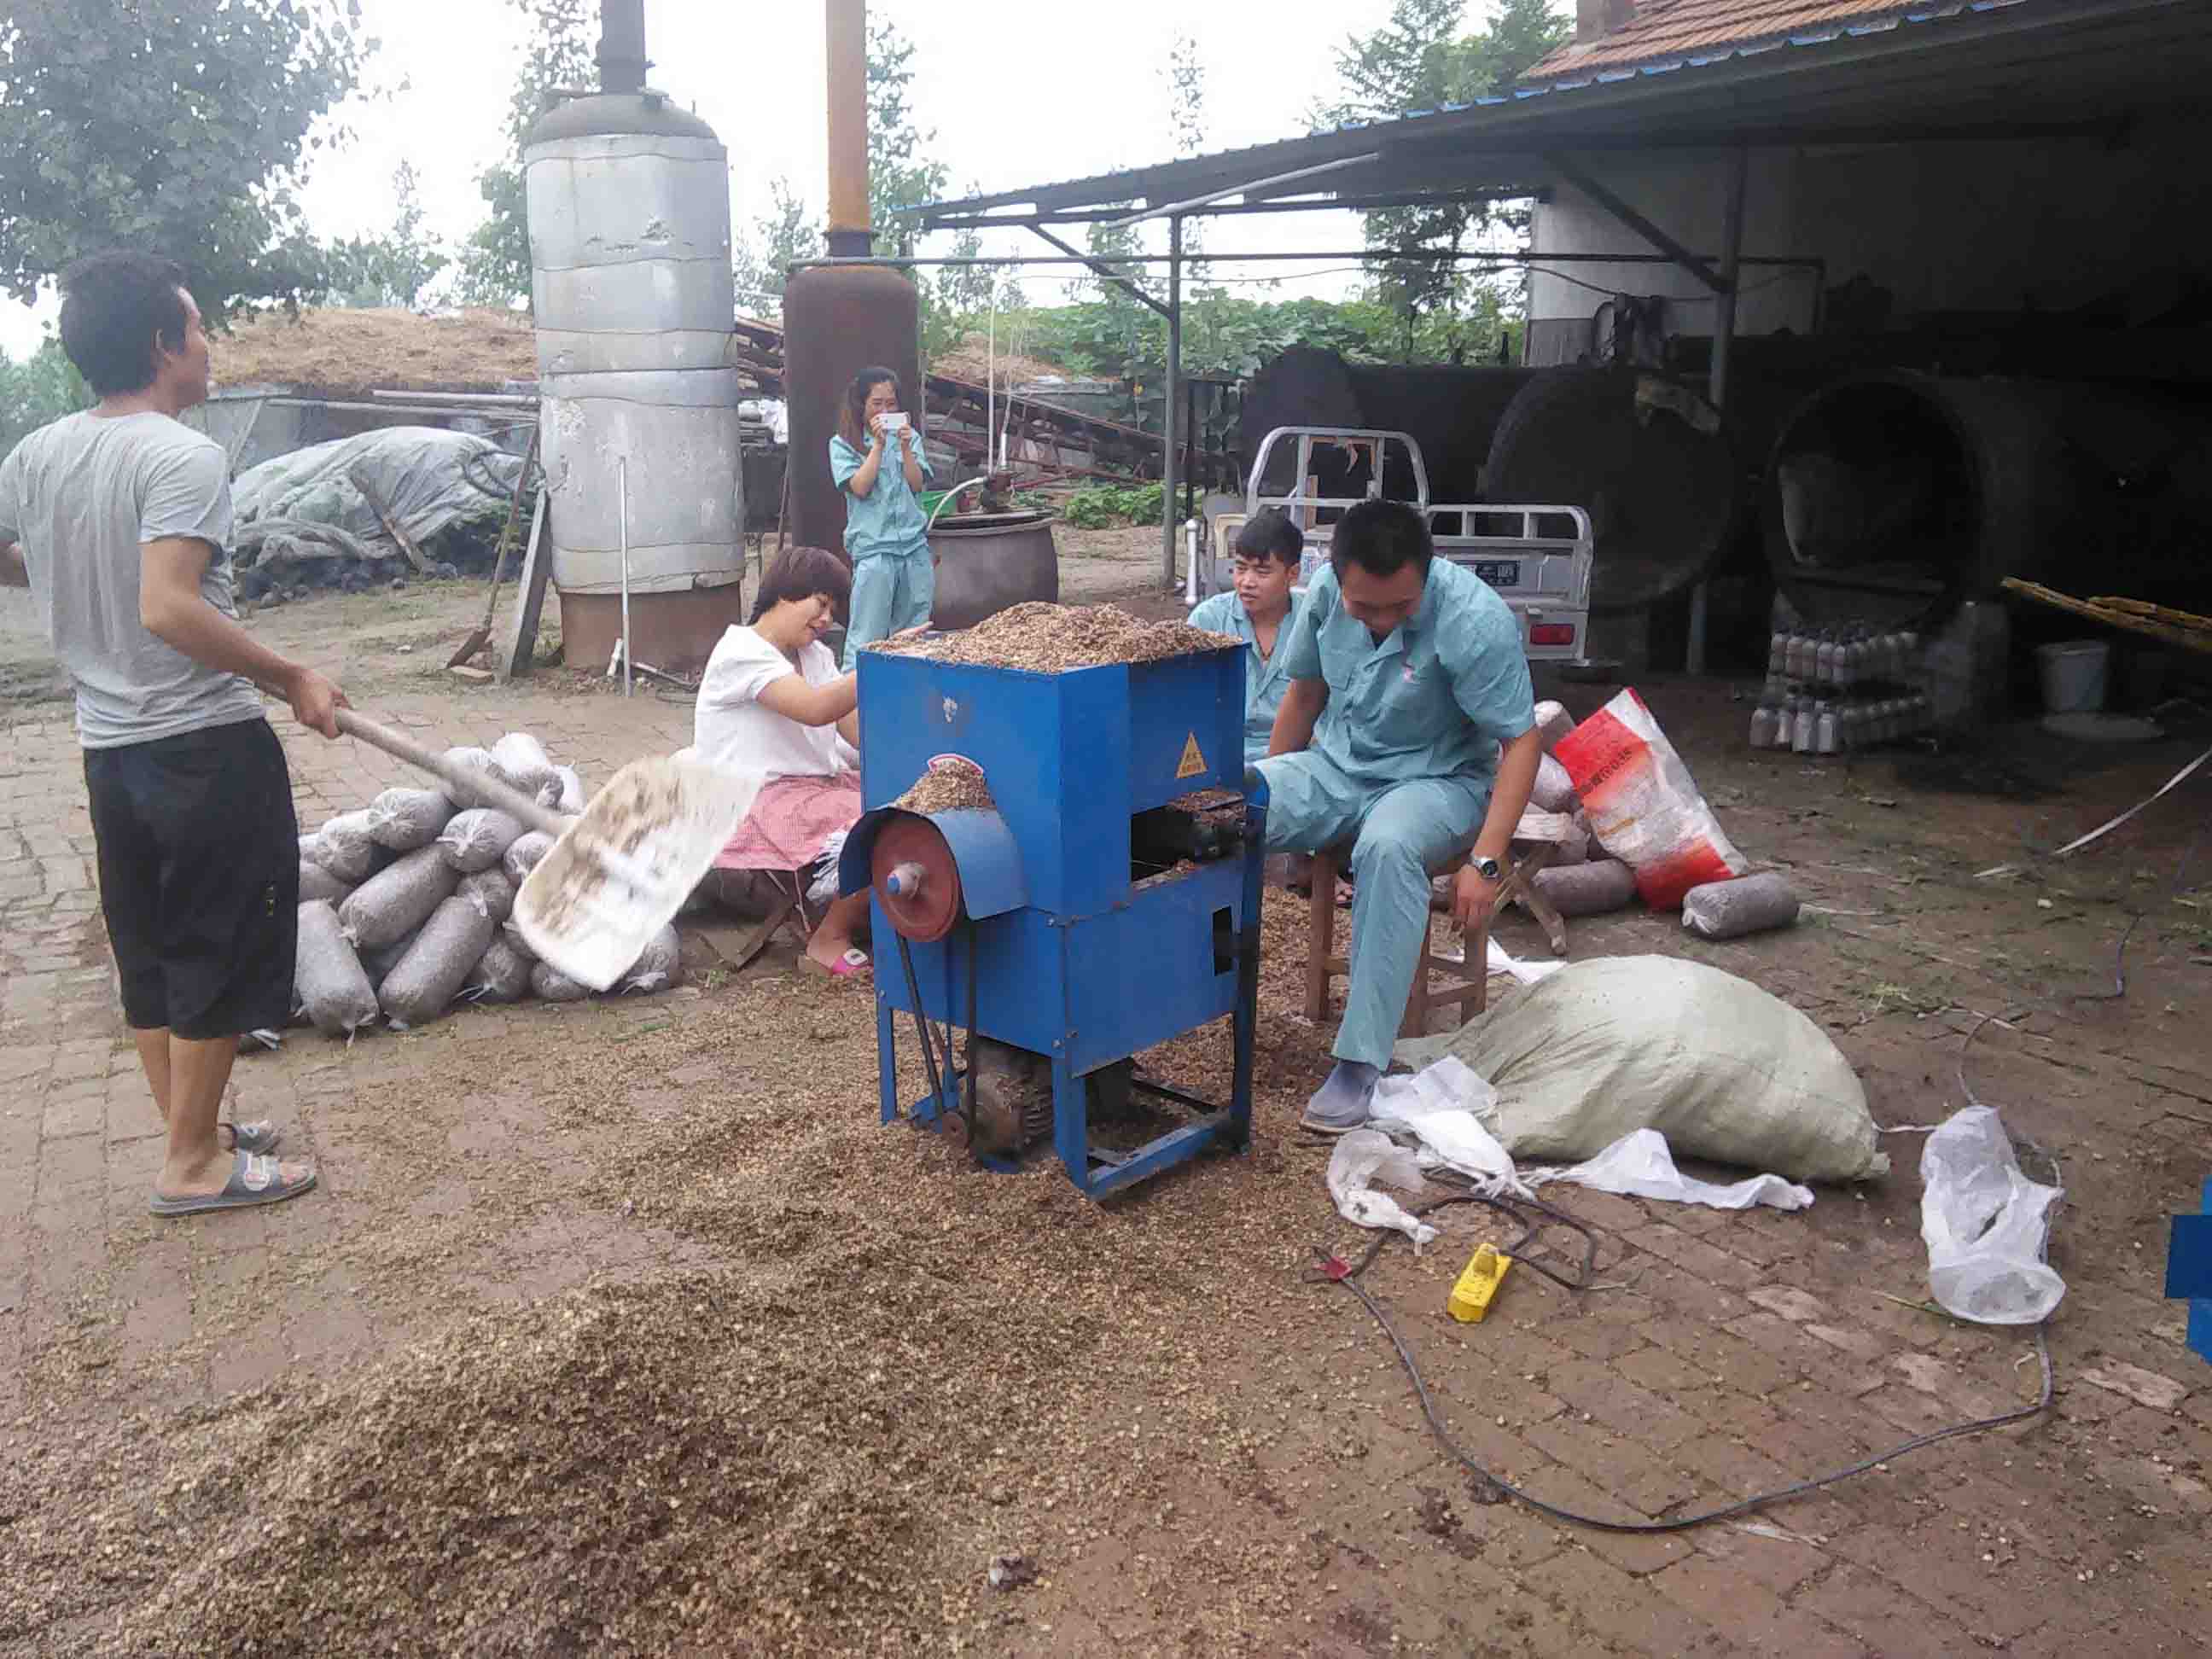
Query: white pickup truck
x=1538 y=557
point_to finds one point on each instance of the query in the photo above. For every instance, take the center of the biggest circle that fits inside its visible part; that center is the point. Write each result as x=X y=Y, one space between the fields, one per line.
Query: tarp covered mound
x=426 y=478
x=1722 y=1070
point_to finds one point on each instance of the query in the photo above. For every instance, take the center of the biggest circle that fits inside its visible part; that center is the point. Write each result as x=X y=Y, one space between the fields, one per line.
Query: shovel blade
x=620 y=872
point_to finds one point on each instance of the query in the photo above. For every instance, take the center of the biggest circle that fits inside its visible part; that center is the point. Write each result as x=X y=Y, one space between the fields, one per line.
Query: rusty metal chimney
x=620 y=57
x=849 y=231
x=838 y=319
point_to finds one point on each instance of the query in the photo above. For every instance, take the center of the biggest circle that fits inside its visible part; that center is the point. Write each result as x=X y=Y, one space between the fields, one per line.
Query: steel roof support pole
x=1717 y=379
x=1171 y=405
x=1105 y=271
x=1636 y=222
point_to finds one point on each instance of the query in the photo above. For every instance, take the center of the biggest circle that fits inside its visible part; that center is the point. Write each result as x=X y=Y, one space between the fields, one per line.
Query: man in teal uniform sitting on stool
x=1408 y=729
x=1262 y=563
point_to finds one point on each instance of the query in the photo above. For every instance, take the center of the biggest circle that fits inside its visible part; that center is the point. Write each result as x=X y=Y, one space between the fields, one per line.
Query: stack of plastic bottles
x=1838 y=689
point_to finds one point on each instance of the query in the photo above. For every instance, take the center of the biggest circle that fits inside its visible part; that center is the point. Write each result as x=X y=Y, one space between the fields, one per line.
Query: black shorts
x=199 y=875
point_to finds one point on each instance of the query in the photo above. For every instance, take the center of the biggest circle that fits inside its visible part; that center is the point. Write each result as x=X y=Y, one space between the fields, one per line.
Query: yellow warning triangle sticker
x=1193 y=761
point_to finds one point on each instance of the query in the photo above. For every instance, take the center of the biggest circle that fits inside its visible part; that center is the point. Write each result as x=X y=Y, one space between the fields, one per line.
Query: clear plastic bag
x=501 y=975
x=548 y=984
x=1749 y=904
x=1587 y=890
x=395 y=901
x=423 y=983
x=327 y=976
x=1554 y=722
x=658 y=964
x=1554 y=790
x=344 y=847
x=522 y=760
x=523 y=853
x=476 y=839
x=1361 y=1159
x=491 y=892
x=469 y=758
x=317 y=883
x=1985 y=1224
x=405 y=819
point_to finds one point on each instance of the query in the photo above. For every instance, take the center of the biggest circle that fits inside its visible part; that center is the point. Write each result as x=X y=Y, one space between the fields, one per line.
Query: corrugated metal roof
x=1697 y=31
x=1705 y=39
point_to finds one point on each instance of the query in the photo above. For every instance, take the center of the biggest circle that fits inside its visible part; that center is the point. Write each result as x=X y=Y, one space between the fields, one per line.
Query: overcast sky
x=1017 y=95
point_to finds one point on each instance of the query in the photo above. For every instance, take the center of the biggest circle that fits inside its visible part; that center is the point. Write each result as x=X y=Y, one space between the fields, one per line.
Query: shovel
x=616 y=875
x=480 y=635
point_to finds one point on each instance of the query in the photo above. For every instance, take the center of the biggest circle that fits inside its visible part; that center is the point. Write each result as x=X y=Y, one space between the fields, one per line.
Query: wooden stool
x=1323 y=964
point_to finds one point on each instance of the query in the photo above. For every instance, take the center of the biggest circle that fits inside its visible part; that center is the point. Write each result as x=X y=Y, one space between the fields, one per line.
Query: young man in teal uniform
x=1262 y=563
x=1408 y=730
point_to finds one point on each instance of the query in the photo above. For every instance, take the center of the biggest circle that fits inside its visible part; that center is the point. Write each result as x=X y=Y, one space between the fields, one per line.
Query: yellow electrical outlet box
x=1478 y=1284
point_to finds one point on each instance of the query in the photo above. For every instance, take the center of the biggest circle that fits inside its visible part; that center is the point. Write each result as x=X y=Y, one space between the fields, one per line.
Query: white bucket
x=2073 y=675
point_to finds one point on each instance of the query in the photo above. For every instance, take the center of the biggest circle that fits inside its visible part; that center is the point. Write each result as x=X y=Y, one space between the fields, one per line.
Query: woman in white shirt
x=771 y=702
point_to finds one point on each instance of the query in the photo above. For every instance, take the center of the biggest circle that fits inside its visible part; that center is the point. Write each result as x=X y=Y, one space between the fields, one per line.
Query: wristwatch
x=1488 y=869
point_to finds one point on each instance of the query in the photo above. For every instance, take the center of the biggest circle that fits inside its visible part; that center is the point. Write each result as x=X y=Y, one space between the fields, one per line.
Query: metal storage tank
x=629 y=205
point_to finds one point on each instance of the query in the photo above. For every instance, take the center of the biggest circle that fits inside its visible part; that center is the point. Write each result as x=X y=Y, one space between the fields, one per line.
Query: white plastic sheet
x=1437 y=1106
x=1363 y=1158
x=1639 y=1166
x=1985 y=1224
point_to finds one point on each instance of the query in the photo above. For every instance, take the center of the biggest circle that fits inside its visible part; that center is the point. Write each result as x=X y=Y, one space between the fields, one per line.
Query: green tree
x=1419 y=59
x=900 y=172
x=1186 y=77
x=43 y=387
x=183 y=133
x=785 y=233
x=394 y=269
x=495 y=262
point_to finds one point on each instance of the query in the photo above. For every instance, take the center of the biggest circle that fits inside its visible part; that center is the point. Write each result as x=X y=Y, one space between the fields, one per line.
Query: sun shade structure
x=1716 y=77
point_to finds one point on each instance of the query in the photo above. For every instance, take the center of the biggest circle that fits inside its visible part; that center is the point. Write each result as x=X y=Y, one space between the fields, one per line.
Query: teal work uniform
x=1400 y=765
x=887 y=539
x=1265 y=680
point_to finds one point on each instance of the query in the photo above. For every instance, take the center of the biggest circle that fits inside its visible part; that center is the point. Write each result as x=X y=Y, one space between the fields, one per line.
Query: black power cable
x=1500 y=1487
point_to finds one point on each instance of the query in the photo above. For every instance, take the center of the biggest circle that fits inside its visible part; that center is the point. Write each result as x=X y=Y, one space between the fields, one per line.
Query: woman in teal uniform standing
x=877 y=460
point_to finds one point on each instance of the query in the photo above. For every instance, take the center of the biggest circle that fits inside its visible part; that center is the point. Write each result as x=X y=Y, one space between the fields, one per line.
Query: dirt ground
x=624 y=1326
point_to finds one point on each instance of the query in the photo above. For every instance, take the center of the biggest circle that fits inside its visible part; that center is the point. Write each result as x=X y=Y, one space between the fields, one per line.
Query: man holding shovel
x=115 y=519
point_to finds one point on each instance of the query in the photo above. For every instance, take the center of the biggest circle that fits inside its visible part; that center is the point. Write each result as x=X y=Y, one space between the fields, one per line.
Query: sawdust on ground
x=1043 y=638
x=339 y=348
x=902 y=1367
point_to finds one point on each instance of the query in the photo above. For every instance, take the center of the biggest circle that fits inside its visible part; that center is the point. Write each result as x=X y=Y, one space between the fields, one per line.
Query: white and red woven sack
x=1642 y=805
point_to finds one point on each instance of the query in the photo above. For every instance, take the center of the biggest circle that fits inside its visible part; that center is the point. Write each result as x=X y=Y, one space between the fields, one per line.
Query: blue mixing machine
x=1093 y=892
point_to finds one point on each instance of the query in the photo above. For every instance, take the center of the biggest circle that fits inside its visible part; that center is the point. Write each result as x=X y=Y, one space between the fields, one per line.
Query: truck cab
x=1537 y=556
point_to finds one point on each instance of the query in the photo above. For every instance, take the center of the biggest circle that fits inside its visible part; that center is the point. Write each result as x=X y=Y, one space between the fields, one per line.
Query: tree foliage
x=179 y=129
x=394 y=269
x=900 y=171
x=43 y=387
x=1224 y=334
x=786 y=233
x=495 y=261
x=1421 y=60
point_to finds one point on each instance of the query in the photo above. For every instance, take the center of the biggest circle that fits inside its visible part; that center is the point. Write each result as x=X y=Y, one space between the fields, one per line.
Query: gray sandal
x=260 y=1136
x=253 y=1180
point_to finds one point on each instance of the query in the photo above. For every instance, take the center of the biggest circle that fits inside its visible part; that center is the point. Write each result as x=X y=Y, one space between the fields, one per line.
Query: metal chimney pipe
x=847 y=34
x=620 y=57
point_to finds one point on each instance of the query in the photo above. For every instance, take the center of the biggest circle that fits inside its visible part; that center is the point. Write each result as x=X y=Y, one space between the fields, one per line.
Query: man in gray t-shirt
x=118 y=520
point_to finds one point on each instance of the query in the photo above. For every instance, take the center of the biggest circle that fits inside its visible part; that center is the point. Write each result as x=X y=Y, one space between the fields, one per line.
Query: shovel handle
x=487 y=791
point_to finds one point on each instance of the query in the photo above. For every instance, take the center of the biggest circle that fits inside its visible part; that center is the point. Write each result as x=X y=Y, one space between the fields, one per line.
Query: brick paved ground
x=1733 y=1353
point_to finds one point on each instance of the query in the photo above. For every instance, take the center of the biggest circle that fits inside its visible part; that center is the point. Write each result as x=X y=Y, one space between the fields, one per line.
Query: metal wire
x=1704 y=1517
x=1500 y=1487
